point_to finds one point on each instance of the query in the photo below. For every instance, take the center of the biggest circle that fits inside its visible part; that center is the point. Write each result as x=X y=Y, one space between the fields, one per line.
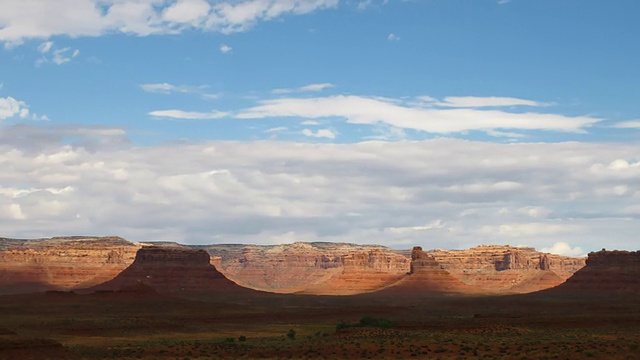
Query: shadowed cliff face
x=172 y=269
x=426 y=276
x=62 y=263
x=607 y=272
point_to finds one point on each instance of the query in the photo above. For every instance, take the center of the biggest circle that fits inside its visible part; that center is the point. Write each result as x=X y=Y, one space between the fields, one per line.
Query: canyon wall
x=507 y=269
x=312 y=268
x=607 y=273
x=67 y=263
x=171 y=269
x=62 y=263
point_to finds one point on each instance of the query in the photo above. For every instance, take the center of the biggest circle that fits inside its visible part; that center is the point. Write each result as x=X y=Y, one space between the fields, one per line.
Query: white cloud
x=277 y=129
x=166 y=88
x=45 y=47
x=464 y=193
x=58 y=56
x=306 y=88
x=372 y=110
x=42 y=19
x=189 y=115
x=10 y=107
x=62 y=56
x=393 y=37
x=320 y=133
x=562 y=248
x=310 y=123
x=225 y=49
x=492 y=101
x=191 y=12
x=631 y=124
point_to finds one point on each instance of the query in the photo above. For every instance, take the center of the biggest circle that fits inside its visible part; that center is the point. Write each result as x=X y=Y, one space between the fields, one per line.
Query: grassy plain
x=265 y=326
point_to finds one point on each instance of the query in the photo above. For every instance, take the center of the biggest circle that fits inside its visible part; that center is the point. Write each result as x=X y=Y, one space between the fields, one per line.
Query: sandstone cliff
x=426 y=276
x=62 y=263
x=607 y=272
x=507 y=269
x=171 y=269
x=312 y=268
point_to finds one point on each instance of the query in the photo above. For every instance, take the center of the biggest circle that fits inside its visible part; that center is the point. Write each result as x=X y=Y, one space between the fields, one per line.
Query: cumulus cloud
x=320 y=133
x=10 y=107
x=393 y=37
x=441 y=193
x=562 y=248
x=225 y=49
x=42 y=19
x=396 y=113
x=189 y=115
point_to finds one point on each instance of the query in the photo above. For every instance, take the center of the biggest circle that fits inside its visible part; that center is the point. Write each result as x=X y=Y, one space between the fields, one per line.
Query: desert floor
x=265 y=326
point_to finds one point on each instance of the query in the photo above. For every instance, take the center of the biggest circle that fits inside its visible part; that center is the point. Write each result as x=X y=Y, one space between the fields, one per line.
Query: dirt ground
x=215 y=326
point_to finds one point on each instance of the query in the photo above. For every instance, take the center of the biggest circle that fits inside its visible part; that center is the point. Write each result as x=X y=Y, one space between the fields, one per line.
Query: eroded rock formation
x=62 y=263
x=607 y=272
x=313 y=268
x=426 y=276
x=169 y=270
x=501 y=268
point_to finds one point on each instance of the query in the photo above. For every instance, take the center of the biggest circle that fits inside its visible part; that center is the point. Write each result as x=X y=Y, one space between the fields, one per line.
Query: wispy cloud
x=405 y=115
x=166 y=88
x=393 y=37
x=630 y=124
x=189 y=115
x=58 y=56
x=306 y=88
x=477 y=101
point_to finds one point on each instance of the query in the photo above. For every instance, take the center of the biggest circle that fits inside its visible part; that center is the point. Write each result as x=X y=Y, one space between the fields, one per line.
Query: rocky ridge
x=62 y=263
x=313 y=268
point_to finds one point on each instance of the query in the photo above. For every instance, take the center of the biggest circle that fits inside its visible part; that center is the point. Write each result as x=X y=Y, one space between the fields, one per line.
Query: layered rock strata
x=312 y=268
x=62 y=263
x=170 y=270
x=426 y=276
x=607 y=272
x=507 y=269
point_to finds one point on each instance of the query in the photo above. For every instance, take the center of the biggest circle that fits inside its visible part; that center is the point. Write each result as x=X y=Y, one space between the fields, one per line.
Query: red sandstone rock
x=311 y=268
x=606 y=272
x=170 y=270
x=507 y=269
x=427 y=276
x=62 y=263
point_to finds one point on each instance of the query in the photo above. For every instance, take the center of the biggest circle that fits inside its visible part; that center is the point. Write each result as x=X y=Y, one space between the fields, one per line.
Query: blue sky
x=304 y=94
